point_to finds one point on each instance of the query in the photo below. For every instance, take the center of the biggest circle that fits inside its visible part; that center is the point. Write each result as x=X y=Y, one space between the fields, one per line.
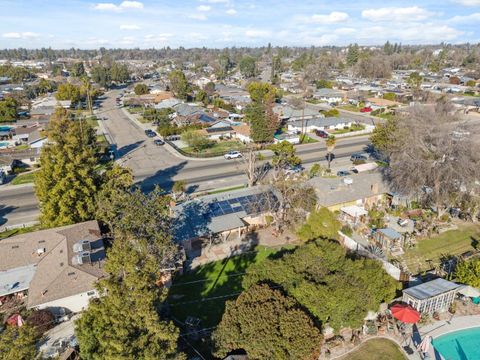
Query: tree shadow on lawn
x=203 y=292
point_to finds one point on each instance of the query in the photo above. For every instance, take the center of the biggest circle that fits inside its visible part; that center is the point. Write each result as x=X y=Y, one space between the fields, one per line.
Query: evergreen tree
x=125 y=322
x=353 y=55
x=18 y=343
x=267 y=325
x=67 y=182
x=179 y=84
x=321 y=223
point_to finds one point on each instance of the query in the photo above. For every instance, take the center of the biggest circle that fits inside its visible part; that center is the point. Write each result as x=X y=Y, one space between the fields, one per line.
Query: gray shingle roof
x=322 y=121
x=431 y=289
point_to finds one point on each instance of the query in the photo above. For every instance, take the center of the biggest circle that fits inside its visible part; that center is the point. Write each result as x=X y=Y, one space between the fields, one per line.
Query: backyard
x=221 y=280
x=217 y=148
x=376 y=349
x=453 y=242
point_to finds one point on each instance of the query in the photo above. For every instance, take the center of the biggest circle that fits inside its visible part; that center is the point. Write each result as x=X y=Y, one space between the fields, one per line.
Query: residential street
x=154 y=165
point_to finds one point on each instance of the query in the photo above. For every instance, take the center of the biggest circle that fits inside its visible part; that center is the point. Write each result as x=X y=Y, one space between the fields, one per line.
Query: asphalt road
x=154 y=165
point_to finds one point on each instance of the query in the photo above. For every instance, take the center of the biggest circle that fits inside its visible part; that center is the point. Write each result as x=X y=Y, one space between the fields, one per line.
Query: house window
x=90 y=293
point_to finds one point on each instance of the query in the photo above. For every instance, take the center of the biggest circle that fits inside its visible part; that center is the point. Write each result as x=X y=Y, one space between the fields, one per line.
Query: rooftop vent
x=83 y=245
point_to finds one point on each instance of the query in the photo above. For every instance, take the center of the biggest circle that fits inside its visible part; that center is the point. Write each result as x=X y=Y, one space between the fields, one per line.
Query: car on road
x=158 y=142
x=343 y=173
x=150 y=133
x=366 y=109
x=233 y=155
x=358 y=157
x=322 y=134
x=293 y=170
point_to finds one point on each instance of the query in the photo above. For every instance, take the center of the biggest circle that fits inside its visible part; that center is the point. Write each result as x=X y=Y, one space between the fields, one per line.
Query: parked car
x=322 y=133
x=343 y=173
x=150 y=133
x=158 y=142
x=292 y=170
x=233 y=155
x=358 y=157
x=366 y=109
x=173 y=137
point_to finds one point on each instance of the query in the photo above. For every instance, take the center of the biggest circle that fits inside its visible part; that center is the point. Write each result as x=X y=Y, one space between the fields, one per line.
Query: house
x=433 y=296
x=58 y=268
x=291 y=137
x=243 y=133
x=220 y=129
x=378 y=103
x=226 y=215
x=319 y=123
x=289 y=113
x=329 y=95
x=365 y=190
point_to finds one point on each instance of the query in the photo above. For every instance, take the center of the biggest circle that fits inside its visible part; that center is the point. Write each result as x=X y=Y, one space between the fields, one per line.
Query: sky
x=225 y=23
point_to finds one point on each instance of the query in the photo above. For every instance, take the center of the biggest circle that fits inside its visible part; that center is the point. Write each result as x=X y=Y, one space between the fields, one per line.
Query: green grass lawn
x=308 y=140
x=23 y=179
x=6 y=234
x=219 y=148
x=22 y=147
x=352 y=128
x=216 y=279
x=387 y=116
x=376 y=349
x=453 y=242
x=349 y=108
x=93 y=122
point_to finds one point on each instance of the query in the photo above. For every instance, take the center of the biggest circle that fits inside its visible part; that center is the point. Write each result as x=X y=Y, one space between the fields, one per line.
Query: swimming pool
x=5 y=128
x=4 y=144
x=459 y=345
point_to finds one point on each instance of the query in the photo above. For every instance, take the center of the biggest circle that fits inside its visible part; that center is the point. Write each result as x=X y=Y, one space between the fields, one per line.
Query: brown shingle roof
x=57 y=274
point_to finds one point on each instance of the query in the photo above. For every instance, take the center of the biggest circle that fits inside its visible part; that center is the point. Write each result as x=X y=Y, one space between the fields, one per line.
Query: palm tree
x=330 y=143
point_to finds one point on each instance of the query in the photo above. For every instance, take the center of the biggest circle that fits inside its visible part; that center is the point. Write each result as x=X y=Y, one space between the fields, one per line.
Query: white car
x=233 y=155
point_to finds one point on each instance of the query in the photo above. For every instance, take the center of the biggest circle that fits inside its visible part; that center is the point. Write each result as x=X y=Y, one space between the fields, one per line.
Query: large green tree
x=383 y=136
x=468 y=272
x=247 y=66
x=267 y=325
x=18 y=343
x=8 y=110
x=179 y=84
x=69 y=92
x=67 y=181
x=125 y=322
x=141 y=89
x=284 y=154
x=321 y=223
x=333 y=287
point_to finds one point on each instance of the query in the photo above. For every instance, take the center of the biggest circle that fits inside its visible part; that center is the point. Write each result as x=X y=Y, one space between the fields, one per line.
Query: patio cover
x=354 y=210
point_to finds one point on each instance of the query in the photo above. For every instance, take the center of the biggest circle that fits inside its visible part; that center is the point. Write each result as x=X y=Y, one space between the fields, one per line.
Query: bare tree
x=253 y=168
x=434 y=158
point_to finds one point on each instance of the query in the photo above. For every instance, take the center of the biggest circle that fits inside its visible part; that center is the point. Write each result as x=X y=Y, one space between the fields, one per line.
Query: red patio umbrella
x=405 y=313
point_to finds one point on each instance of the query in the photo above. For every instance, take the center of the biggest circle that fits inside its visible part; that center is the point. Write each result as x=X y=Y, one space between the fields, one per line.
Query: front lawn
x=376 y=349
x=218 y=148
x=305 y=139
x=354 y=127
x=453 y=242
x=23 y=179
x=221 y=280
x=349 y=108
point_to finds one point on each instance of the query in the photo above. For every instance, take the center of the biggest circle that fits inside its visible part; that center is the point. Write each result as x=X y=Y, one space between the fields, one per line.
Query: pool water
x=459 y=345
x=5 y=128
x=4 y=144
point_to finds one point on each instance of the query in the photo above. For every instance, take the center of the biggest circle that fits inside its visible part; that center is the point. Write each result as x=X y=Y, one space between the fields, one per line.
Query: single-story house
x=289 y=113
x=243 y=133
x=365 y=190
x=320 y=123
x=58 y=268
x=433 y=296
x=221 y=216
x=329 y=95
x=291 y=137
x=381 y=103
x=220 y=129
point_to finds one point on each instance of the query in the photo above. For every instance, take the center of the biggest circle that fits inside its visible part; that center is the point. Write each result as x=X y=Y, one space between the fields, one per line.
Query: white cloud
x=129 y=27
x=253 y=33
x=472 y=18
x=216 y=1
x=204 y=8
x=131 y=5
x=396 y=14
x=345 y=31
x=231 y=11
x=20 y=35
x=125 y=5
x=333 y=17
x=201 y=17
x=127 y=40
x=155 y=38
x=468 y=2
